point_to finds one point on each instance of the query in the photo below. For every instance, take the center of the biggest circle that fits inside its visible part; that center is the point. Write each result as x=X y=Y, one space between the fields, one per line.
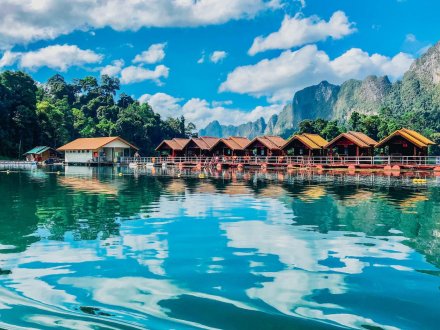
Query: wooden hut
x=231 y=146
x=105 y=150
x=405 y=142
x=305 y=145
x=200 y=146
x=266 y=146
x=351 y=144
x=173 y=148
x=41 y=154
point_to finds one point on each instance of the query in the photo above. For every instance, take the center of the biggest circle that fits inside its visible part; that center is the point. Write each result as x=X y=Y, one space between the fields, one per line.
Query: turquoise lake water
x=91 y=249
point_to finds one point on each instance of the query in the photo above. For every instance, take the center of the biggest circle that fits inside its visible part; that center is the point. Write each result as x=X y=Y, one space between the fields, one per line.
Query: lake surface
x=89 y=249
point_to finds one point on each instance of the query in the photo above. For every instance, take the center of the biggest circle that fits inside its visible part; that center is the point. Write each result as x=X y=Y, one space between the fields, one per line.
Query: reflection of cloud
x=348 y=320
x=28 y=281
x=150 y=250
x=315 y=268
x=134 y=293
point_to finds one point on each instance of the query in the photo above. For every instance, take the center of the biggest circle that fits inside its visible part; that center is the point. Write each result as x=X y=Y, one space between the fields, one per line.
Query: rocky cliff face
x=250 y=129
x=427 y=68
x=366 y=97
x=419 y=90
x=314 y=102
x=284 y=124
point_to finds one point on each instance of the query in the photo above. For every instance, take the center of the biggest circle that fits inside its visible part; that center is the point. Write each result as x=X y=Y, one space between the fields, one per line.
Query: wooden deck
x=16 y=164
x=386 y=163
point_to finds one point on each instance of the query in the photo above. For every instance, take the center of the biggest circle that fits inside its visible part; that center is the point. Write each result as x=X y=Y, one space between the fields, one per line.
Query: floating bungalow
x=305 y=145
x=173 y=148
x=41 y=154
x=405 y=142
x=201 y=146
x=100 y=150
x=232 y=146
x=351 y=144
x=302 y=151
x=267 y=145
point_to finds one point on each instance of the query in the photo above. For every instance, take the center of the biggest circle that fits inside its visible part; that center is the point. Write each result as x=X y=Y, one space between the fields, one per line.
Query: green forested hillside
x=56 y=112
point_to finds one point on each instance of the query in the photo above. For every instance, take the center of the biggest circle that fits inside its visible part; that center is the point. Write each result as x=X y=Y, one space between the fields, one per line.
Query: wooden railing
x=295 y=160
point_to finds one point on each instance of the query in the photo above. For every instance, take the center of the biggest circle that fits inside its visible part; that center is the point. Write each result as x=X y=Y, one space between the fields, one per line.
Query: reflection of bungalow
x=305 y=145
x=88 y=185
x=200 y=146
x=173 y=148
x=232 y=146
x=237 y=188
x=312 y=193
x=266 y=146
x=351 y=144
x=99 y=150
x=41 y=154
x=405 y=142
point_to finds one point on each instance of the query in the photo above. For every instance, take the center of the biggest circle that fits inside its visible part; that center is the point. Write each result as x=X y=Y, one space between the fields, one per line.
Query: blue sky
x=231 y=60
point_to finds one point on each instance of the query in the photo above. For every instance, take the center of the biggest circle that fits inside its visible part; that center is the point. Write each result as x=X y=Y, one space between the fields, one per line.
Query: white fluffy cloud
x=166 y=105
x=134 y=74
x=280 y=77
x=47 y=19
x=113 y=69
x=8 y=58
x=218 y=56
x=155 y=53
x=297 y=31
x=57 y=57
x=202 y=112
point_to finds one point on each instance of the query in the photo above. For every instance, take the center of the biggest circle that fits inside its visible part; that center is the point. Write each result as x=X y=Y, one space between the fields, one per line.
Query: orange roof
x=412 y=136
x=241 y=141
x=311 y=141
x=92 y=143
x=358 y=138
x=271 y=142
x=210 y=141
x=205 y=142
x=234 y=142
x=174 y=144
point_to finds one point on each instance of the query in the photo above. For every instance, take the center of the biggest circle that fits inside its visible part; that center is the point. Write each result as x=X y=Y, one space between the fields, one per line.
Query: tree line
x=56 y=112
x=375 y=126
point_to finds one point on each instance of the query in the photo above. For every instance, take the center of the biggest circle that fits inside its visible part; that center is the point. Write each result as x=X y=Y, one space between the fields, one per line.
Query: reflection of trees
x=17 y=212
x=374 y=212
x=86 y=208
x=89 y=214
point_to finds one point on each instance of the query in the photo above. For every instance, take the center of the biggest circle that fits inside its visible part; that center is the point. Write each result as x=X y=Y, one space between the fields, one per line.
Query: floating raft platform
x=350 y=163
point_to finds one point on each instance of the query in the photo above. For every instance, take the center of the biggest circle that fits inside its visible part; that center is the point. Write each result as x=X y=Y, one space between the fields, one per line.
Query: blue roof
x=37 y=150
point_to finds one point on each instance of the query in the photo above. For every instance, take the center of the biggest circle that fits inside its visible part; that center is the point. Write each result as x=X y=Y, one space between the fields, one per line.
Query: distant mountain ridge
x=338 y=102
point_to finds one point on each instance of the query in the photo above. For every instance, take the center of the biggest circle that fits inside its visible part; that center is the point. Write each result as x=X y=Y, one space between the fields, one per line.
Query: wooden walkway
x=387 y=163
x=14 y=164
